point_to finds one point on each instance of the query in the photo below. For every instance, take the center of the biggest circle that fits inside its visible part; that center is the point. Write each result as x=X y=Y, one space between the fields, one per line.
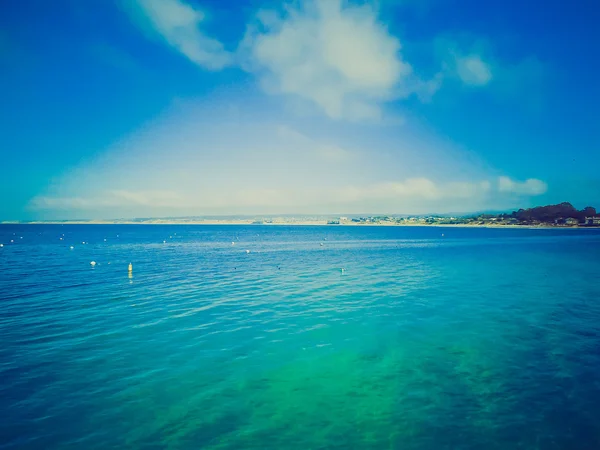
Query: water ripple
x=479 y=339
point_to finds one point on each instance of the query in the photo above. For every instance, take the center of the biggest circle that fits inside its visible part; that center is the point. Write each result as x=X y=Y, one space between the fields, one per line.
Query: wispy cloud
x=467 y=59
x=111 y=199
x=209 y=159
x=179 y=25
x=474 y=62
x=314 y=149
x=530 y=186
x=472 y=70
x=351 y=197
x=412 y=195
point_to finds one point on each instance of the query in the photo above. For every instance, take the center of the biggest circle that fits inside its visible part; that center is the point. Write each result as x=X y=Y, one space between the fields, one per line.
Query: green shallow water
x=480 y=339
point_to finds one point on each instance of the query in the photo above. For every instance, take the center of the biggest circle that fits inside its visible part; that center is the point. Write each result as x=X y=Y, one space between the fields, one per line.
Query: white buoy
x=11 y=241
x=130 y=268
x=83 y=242
x=71 y=247
x=343 y=270
x=61 y=239
x=1 y=245
x=442 y=234
x=321 y=244
x=93 y=263
x=232 y=243
x=247 y=251
x=104 y=240
x=20 y=237
x=164 y=242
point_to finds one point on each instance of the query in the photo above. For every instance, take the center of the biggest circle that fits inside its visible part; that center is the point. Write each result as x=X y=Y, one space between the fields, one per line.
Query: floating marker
x=130 y=268
x=164 y=242
x=93 y=263
x=11 y=241
x=1 y=245
x=321 y=244
x=61 y=239
x=71 y=247
x=442 y=234
x=232 y=243
x=247 y=251
x=343 y=270
x=104 y=240
x=21 y=237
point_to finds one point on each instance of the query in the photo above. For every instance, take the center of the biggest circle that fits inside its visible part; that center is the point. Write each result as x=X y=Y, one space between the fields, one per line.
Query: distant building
x=593 y=220
x=571 y=221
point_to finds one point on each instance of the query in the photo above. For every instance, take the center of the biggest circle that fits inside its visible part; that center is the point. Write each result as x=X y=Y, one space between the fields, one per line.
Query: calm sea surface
x=475 y=339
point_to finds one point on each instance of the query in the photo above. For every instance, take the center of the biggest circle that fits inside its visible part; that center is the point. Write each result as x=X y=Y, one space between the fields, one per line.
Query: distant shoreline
x=560 y=216
x=300 y=223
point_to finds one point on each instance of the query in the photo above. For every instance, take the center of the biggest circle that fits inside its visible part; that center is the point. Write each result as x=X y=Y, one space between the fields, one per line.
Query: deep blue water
x=478 y=339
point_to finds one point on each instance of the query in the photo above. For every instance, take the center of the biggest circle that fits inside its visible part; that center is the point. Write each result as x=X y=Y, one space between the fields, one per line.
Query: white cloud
x=530 y=186
x=179 y=25
x=337 y=57
x=472 y=70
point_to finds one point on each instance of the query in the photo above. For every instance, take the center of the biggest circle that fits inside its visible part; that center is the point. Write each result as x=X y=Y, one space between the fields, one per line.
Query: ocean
x=430 y=338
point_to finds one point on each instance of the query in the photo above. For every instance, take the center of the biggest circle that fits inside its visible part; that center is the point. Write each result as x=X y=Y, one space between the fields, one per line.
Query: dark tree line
x=551 y=213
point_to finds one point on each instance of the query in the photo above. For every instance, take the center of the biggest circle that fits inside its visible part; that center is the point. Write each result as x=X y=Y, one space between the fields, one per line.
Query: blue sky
x=190 y=107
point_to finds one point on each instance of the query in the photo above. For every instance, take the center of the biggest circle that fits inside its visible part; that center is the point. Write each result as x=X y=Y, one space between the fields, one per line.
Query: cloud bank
x=200 y=162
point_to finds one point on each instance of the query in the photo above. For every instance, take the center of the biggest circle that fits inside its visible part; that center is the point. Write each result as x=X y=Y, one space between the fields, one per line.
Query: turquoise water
x=478 y=339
